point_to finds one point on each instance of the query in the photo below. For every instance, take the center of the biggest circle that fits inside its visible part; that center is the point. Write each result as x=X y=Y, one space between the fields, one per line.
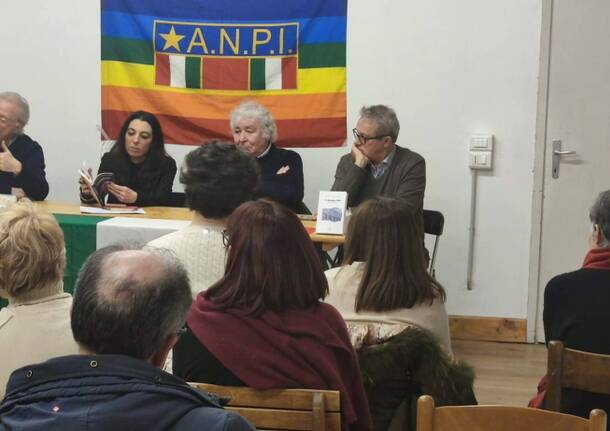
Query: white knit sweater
x=201 y=251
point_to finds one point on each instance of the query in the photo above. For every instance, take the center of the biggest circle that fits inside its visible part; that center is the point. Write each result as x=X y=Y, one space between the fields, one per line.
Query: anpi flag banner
x=190 y=62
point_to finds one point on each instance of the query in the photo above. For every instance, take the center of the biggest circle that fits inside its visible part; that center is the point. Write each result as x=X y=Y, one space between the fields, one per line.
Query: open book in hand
x=98 y=186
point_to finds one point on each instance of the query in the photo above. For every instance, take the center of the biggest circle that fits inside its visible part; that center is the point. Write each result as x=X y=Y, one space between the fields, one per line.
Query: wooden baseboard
x=488 y=329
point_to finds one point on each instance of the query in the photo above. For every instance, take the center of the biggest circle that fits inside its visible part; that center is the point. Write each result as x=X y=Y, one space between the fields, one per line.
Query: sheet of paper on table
x=109 y=210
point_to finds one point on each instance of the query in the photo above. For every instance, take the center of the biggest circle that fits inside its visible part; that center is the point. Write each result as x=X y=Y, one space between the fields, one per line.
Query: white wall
x=448 y=68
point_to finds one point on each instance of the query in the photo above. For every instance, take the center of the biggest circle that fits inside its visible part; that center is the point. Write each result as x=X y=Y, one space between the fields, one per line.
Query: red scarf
x=292 y=349
x=597 y=258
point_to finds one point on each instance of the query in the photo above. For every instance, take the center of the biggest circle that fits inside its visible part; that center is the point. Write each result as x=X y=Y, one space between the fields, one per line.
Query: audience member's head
x=14 y=114
x=32 y=253
x=253 y=127
x=600 y=218
x=384 y=235
x=217 y=178
x=130 y=302
x=271 y=262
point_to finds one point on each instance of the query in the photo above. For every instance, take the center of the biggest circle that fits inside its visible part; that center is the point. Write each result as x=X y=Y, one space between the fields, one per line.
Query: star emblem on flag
x=172 y=39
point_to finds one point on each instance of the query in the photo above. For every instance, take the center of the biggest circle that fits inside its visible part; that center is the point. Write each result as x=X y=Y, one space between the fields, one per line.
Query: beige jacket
x=33 y=331
x=343 y=284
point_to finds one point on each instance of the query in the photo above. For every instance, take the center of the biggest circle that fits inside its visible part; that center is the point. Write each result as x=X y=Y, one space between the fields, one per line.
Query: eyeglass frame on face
x=226 y=238
x=364 y=139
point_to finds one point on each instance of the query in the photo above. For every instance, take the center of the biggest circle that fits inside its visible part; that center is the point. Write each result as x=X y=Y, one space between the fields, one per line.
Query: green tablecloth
x=80 y=238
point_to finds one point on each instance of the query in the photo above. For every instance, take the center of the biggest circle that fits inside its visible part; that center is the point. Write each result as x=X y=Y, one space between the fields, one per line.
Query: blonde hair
x=32 y=249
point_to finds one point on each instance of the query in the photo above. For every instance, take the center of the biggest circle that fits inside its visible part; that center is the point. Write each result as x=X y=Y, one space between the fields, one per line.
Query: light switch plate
x=480 y=159
x=481 y=142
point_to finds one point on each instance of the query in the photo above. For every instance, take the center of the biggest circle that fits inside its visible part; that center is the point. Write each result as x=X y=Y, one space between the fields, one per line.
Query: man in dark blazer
x=377 y=166
x=22 y=168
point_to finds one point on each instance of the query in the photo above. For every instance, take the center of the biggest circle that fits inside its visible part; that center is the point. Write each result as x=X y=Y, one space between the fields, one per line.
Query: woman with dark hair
x=384 y=277
x=143 y=172
x=263 y=325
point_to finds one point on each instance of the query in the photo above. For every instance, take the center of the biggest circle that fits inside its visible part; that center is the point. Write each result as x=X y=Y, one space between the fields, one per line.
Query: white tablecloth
x=139 y=230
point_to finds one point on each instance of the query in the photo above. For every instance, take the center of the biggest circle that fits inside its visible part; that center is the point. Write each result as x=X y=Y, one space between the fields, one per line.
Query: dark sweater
x=576 y=312
x=286 y=188
x=153 y=189
x=193 y=362
x=405 y=179
x=32 y=178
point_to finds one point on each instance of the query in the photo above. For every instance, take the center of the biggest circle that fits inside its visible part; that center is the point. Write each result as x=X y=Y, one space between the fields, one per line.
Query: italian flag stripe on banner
x=273 y=73
x=178 y=71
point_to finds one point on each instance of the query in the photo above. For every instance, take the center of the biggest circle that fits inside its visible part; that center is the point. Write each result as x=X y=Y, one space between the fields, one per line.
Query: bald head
x=129 y=301
x=126 y=270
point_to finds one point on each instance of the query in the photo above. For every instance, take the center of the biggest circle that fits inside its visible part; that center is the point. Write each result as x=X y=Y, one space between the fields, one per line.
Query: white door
x=579 y=116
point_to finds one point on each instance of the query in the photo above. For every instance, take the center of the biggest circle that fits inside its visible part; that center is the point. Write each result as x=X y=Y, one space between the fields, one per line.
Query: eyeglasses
x=364 y=139
x=226 y=238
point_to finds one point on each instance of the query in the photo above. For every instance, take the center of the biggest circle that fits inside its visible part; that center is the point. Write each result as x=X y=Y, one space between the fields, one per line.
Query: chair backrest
x=501 y=418
x=434 y=222
x=569 y=368
x=282 y=409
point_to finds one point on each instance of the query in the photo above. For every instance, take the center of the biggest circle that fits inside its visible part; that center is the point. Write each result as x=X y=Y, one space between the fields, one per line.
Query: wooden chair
x=282 y=409
x=569 y=368
x=501 y=418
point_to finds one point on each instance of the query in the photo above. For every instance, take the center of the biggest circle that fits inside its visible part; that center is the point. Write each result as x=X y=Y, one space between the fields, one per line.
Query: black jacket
x=285 y=187
x=154 y=189
x=108 y=392
x=576 y=312
x=32 y=178
x=410 y=364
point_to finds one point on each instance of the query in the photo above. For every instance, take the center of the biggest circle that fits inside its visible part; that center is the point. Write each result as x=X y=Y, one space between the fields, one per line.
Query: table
x=80 y=231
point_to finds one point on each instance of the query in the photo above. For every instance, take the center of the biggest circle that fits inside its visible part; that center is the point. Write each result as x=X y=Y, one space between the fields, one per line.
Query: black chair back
x=434 y=222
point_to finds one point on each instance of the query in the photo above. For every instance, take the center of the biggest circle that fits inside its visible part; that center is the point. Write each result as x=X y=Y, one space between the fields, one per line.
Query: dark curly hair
x=217 y=178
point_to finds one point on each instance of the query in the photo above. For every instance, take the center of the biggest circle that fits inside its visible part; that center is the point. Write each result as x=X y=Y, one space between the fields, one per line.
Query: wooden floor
x=506 y=373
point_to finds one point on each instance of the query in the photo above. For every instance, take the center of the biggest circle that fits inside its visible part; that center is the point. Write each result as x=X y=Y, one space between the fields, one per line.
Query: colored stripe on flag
x=225 y=73
x=177 y=71
x=273 y=73
x=326 y=132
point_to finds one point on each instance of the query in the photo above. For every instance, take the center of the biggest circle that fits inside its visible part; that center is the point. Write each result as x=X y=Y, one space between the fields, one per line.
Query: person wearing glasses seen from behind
x=22 y=167
x=376 y=166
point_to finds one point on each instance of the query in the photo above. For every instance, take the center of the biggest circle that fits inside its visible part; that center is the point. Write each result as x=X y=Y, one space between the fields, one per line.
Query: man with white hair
x=254 y=131
x=22 y=168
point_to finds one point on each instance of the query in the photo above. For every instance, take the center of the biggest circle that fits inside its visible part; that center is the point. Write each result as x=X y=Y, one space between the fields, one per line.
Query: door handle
x=557 y=153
